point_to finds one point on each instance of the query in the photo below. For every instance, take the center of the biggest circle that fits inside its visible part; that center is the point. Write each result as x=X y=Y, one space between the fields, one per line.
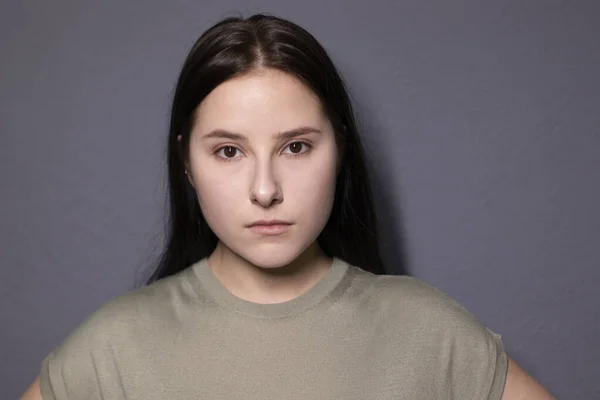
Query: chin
x=268 y=258
x=271 y=262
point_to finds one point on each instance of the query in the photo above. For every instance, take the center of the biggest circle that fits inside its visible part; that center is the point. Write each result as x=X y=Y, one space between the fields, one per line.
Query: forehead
x=264 y=101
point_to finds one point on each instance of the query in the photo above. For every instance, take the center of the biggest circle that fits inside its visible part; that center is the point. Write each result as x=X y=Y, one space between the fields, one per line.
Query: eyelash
x=229 y=159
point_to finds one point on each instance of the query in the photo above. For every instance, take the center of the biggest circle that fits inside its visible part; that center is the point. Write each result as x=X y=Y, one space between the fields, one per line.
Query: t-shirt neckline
x=316 y=294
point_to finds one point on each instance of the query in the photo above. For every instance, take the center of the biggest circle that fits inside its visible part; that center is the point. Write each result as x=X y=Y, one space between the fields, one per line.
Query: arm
x=33 y=391
x=521 y=386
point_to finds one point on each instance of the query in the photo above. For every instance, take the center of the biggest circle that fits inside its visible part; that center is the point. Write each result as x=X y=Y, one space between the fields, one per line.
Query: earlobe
x=187 y=174
x=186 y=166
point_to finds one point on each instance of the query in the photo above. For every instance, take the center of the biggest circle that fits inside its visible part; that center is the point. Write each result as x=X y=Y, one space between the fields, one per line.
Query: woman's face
x=263 y=149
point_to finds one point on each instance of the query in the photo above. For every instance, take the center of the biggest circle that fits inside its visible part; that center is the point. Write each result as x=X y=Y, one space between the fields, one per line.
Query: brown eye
x=296 y=147
x=227 y=152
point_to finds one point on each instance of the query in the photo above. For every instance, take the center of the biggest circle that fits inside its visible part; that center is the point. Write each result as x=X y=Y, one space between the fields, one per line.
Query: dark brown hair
x=236 y=46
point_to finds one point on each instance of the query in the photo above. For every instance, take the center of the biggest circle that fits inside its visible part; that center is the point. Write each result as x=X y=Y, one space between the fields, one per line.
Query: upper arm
x=33 y=391
x=520 y=385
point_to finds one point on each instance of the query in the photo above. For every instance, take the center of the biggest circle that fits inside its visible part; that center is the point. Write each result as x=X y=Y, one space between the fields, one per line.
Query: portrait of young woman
x=271 y=285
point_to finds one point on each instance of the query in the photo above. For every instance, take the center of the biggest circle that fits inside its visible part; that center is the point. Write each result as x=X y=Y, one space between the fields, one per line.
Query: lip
x=270 y=227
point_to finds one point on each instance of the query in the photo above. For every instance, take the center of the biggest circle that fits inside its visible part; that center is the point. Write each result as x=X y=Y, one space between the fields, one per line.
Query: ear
x=186 y=165
x=189 y=174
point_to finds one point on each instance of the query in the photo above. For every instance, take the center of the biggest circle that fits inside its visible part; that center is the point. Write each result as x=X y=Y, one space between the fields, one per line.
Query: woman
x=271 y=285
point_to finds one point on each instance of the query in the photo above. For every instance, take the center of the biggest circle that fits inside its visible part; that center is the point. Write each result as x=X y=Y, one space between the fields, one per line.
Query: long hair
x=231 y=48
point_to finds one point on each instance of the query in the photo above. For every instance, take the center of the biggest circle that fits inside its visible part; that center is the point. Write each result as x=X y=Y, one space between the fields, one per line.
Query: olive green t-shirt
x=353 y=335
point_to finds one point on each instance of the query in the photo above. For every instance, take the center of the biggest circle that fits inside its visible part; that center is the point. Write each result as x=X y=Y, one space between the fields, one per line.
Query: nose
x=265 y=190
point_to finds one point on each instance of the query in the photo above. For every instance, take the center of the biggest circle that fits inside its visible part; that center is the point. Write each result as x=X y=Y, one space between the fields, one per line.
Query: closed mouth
x=273 y=222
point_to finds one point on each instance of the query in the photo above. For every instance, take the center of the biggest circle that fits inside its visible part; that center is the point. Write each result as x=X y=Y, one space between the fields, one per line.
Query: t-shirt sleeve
x=77 y=368
x=467 y=359
x=477 y=363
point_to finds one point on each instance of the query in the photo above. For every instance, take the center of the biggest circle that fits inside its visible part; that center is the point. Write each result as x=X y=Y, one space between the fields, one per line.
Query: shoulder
x=419 y=305
x=442 y=335
x=129 y=321
x=133 y=312
x=408 y=291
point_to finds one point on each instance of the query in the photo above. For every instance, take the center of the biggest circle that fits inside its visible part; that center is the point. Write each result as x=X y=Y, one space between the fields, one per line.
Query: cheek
x=218 y=197
x=313 y=187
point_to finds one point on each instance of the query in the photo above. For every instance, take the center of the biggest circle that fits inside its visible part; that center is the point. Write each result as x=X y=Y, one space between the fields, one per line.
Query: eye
x=227 y=152
x=297 y=148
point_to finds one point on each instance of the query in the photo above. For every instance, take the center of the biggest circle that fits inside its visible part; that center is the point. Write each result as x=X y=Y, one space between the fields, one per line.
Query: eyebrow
x=285 y=135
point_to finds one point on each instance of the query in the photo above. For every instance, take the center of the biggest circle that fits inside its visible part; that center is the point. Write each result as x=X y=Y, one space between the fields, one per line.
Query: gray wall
x=481 y=120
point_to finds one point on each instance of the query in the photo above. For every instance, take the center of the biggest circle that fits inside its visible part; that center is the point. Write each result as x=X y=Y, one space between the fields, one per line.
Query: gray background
x=480 y=118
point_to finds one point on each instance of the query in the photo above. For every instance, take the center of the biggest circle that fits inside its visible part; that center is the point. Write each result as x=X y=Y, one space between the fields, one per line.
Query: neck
x=268 y=285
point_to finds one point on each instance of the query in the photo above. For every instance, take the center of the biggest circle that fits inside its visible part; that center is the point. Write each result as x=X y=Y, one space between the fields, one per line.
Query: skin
x=269 y=176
